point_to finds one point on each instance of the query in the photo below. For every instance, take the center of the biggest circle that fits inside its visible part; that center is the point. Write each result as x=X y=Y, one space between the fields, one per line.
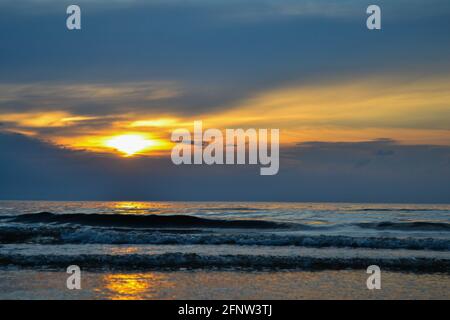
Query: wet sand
x=204 y=285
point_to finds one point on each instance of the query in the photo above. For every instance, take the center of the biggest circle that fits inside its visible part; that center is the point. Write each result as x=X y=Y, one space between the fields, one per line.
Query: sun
x=130 y=144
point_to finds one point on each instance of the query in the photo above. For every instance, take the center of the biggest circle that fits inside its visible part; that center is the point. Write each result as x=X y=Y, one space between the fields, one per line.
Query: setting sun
x=130 y=144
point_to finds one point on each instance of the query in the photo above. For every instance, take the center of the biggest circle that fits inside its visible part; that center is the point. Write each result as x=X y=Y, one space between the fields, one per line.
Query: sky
x=364 y=116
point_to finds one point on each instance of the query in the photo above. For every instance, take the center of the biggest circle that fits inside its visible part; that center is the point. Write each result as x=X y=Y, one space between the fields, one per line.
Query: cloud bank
x=371 y=171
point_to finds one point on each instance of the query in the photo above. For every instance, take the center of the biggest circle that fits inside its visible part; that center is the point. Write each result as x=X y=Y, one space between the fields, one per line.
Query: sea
x=223 y=250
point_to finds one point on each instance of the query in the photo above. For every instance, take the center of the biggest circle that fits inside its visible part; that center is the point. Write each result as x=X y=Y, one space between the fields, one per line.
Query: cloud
x=243 y=8
x=407 y=109
x=413 y=110
x=188 y=42
x=310 y=68
x=192 y=58
x=369 y=171
x=84 y=98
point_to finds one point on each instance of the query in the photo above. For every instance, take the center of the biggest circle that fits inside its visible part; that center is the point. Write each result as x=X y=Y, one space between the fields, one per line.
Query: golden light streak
x=153 y=123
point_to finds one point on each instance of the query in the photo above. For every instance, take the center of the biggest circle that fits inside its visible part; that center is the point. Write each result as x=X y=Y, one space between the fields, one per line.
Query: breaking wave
x=90 y=235
x=196 y=261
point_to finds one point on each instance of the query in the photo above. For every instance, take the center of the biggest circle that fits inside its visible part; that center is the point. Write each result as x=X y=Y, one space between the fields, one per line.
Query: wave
x=196 y=261
x=230 y=209
x=415 y=225
x=144 y=221
x=76 y=235
x=400 y=210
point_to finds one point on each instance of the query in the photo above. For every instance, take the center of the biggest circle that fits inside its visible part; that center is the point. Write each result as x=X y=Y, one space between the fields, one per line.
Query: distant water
x=135 y=236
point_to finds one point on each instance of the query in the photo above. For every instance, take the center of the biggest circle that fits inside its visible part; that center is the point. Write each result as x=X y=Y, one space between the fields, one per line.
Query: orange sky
x=363 y=109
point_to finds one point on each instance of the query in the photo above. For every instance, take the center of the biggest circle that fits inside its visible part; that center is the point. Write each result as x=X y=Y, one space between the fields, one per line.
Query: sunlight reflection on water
x=134 y=286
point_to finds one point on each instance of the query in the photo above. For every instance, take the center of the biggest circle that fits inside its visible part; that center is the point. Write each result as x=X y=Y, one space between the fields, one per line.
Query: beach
x=223 y=285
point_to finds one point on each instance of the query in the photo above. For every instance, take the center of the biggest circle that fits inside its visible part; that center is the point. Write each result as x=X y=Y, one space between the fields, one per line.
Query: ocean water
x=239 y=239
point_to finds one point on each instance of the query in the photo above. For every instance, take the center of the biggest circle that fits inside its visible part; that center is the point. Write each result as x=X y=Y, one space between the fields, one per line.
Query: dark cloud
x=218 y=52
x=32 y=169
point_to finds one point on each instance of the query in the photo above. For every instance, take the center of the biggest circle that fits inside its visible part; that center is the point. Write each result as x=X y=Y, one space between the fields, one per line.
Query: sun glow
x=130 y=144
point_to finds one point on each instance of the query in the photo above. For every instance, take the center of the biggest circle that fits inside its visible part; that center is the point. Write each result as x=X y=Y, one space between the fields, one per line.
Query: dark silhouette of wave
x=399 y=210
x=144 y=221
x=196 y=261
x=407 y=226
